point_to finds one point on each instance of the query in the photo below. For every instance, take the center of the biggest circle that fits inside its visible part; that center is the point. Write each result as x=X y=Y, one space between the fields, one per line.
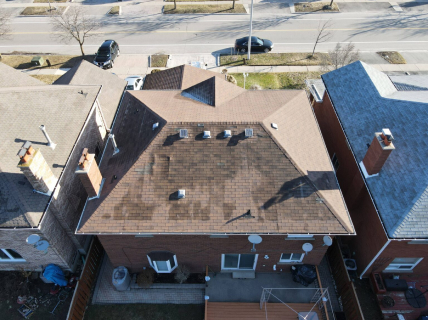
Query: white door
x=245 y=261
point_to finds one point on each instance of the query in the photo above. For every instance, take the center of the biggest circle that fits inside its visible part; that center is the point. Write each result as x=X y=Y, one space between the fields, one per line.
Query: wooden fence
x=82 y=293
x=345 y=286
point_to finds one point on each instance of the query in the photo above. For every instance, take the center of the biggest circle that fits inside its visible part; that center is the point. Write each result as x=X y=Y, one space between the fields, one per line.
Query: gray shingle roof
x=85 y=73
x=366 y=101
x=410 y=82
x=9 y=77
x=63 y=110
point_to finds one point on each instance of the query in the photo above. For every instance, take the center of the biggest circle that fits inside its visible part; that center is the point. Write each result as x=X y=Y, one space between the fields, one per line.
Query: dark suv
x=106 y=54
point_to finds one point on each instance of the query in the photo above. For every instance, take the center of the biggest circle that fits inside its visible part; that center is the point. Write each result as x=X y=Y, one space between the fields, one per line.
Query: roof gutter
x=375 y=257
x=206 y=233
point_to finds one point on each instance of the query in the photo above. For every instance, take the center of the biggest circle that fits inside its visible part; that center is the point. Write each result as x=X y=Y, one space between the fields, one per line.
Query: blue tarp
x=54 y=273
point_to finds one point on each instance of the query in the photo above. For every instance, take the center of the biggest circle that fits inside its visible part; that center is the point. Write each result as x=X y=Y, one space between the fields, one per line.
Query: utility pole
x=251 y=31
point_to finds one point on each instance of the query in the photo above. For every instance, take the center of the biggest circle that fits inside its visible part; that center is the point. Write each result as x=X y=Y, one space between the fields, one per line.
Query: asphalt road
x=173 y=34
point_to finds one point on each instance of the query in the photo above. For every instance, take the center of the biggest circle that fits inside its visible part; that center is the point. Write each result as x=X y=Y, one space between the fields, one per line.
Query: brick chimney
x=34 y=166
x=379 y=150
x=89 y=173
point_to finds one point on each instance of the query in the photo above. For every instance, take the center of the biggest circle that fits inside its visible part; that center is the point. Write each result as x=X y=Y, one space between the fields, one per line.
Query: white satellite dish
x=42 y=245
x=254 y=239
x=307 y=247
x=328 y=241
x=32 y=239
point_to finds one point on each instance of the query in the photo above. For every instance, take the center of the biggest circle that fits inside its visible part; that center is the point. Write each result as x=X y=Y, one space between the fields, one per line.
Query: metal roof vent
x=207 y=135
x=227 y=133
x=248 y=133
x=184 y=133
x=388 y=135
x=155 y=125
x=181 y=194
x=274 y=125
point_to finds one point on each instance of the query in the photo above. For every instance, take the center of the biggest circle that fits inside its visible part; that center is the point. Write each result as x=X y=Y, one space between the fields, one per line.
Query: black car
x=257 y=44
x=106 y=54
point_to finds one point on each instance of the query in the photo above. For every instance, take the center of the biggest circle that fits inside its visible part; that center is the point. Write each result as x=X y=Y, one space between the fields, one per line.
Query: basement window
x=291 y=257
x=10 y=255
x=335 y=162
x=403 y=264
x=162 y=261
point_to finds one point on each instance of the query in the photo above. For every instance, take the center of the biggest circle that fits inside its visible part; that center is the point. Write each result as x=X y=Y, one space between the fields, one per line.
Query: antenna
x=32 y=239
x=38 y=243
x=328 y=241
x=307 y=247
x=254 y=239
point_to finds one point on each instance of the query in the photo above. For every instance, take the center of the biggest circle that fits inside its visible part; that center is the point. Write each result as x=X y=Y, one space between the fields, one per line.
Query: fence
x=82 y=293
x=345 y=286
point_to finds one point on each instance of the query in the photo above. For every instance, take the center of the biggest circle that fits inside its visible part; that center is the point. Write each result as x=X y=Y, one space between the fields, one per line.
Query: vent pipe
x=51 y=144
x=113 y=141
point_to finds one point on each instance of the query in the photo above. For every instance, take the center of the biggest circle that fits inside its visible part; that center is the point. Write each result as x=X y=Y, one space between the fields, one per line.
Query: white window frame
x=11 y=258
x=396 y=266
x=154 y=265
x=290 y=260
x=239 y=260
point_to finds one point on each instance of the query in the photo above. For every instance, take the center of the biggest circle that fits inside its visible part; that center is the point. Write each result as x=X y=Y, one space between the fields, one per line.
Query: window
x=291 y=257
x=239 y=261
x=162 y=261
x=403 y=263
x=335 y=162
x=10 y=255
x=300 y=237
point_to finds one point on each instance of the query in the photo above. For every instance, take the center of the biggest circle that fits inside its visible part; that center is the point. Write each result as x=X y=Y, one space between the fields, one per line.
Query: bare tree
x=339 y=57
x=74 y=24
x=4 y=23
x=323 y=34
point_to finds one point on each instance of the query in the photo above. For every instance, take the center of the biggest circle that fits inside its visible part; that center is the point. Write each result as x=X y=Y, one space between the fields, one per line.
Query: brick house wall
x=198 y=251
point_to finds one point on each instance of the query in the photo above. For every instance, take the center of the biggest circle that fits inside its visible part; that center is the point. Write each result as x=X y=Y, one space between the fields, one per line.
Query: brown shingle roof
x=9 y=78
x=284 y=177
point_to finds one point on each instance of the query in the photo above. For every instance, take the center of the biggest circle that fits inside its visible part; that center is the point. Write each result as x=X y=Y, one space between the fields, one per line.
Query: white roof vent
x=387 y=133
x=274 y=125
x=207 y=135
x=181 y=194
x=155 y=125
x=227 y=133
x=184 y=133
x=248 y=133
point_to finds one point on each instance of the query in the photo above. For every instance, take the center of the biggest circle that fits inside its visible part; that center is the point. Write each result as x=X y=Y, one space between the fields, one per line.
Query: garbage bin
x=37 y=61
x=121 y=278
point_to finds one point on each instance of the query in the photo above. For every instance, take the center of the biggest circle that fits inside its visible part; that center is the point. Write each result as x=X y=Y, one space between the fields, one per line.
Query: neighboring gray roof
x=366 y=101
x=85 y=73
x=410 y=82
x=63 y=110
x=316 y=87
x=9 y=77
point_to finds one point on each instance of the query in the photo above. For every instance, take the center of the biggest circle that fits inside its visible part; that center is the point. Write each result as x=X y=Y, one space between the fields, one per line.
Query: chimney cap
x=248 y=133
x=184 y=133
x=181 y=194
x=387 y=133
x=207 y=135
x=227 y=133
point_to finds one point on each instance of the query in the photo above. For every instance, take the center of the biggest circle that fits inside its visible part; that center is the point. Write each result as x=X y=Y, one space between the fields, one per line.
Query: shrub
x=231 y=79
x=182 y=274
x=155 y=70
x=145 y=279
x=255 y=87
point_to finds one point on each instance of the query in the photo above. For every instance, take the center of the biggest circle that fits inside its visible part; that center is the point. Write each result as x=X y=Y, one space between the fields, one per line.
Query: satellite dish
x=328 y=241
x=307 y=247
x=32 y=239
x=255 y=239
x=42 y=245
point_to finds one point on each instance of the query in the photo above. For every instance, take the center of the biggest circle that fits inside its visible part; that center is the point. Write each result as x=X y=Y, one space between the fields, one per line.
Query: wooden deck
x=251 y=311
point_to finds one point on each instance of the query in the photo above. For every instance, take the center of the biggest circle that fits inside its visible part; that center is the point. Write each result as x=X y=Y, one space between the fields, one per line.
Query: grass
x=158 y=60
x=315 y=6
x=280 y=80
x=114 y=10
x=47 y=78
x=209 y=8
x=273 y=59
x=392 y=57
x=57 y=61
x=41 y=11
x=145 y=311
x=51 y=1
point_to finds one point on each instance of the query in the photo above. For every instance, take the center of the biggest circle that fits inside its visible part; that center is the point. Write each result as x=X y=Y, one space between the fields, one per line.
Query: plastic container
x=121 y=278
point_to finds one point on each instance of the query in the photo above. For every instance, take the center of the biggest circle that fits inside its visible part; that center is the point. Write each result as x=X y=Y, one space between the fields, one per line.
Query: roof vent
x=155 y=125
x=227 y=133
x=51 y=144
x=274 y=125
x=184 y=133
x=248 y=133
x=207 y=135
x=181 y=194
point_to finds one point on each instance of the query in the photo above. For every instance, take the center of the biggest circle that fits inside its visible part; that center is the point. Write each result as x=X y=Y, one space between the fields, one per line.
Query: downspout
x=375 y=257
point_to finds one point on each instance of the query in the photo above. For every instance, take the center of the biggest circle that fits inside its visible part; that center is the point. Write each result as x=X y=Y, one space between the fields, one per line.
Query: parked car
x=106 y=54
x=134 y=83
x=257 y=44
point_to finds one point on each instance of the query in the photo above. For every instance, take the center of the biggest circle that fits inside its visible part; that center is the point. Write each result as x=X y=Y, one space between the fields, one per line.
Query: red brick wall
x=198 y=251
x=370 y=234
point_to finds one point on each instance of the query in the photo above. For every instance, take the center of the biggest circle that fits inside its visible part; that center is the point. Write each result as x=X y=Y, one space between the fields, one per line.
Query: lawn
x=280 y=80
x=47 y=1
x=273 y=59
x=42 y=11
x=47 y=78
x=392 y=57
x=57 y=61
x=146 y=312
x=158 y=60
x=199 y=8
x=315 y=7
